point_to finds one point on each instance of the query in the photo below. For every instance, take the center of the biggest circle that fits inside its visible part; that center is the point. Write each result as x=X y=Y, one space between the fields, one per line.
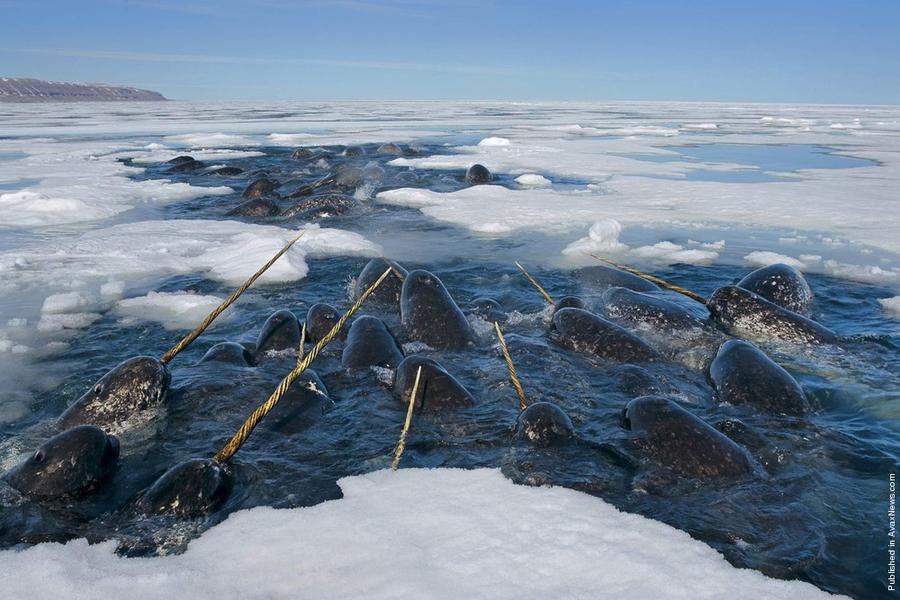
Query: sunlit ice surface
x=105 y=254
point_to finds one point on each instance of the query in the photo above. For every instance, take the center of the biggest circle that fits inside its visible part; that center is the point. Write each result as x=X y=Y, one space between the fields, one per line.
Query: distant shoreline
x=32 y=91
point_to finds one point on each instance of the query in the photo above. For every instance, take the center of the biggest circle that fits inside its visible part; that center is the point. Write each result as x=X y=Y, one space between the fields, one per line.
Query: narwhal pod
x=488 y=309
x=544 y=424
x=320 y=206
x=255 y=207
x=743 y=376
x=571 y=302
x=744 y=313
x=600 y=277
x=260 y=187
x=281 y=331
x=230 y=353
x=370 y=344
x=430 y=315
x=320 y=318
x=71 y=463
x=641 y=310
x=679 y=440
x=437 y=389
x=782 y=285
x=126 y=397
x=478 y=174
x=585 y=332
x=189 y=489
x=388 y=293
x=302 y=406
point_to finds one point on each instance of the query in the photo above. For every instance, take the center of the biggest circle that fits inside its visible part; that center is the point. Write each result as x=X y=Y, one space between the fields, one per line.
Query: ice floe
x=174 y=310
x=443 y=533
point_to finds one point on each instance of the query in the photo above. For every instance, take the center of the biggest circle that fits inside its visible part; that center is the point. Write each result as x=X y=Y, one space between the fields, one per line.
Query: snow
x=603 y=236
x=764 y=259
x=175 y=310
x=533 y=180
x=443 y=533
x=76 y=280
x=603 y=239
x=210 y=140
x=80 y=182
x=498 y=210
x=669 y=253
x=891 y=305
x=494 y=141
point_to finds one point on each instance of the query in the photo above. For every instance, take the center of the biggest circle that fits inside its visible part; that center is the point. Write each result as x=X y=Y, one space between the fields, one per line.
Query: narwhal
x=132 y=393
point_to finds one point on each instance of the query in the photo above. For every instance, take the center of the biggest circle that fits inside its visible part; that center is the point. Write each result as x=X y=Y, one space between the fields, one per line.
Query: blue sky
x=816 y=51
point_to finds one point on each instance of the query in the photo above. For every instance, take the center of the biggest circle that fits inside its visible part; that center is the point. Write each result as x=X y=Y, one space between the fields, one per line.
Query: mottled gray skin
x=184 y=164
x=349 y=177
x=373 y=172
x=230 y=353
x=127 y=396
x=682 y=442
x=743 y=376
x=257 y=207
x=437 y=390
x=544 y=424
x=71 y=463
x=640 y=310
x=302 y=153
x=585 y=332
x=747 y=314
x=388 y=293
x=354 y=151
x=226 y=171
x=488 y=309
x=320 y=206
x=430 y=315
x=370 y=344
x=320 y=318
x=280 y=332
x=782 y=285
x=601 y=277
x=570 y=302
x=192 y=488
x=636 y=381
x=260 y=187
x=478 y=174
x=390 y=148
x=302 y=406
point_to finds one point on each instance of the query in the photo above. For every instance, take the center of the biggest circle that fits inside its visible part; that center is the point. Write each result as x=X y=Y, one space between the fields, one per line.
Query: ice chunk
x=603 y=236
x=669 y=252
x=533 y=180
x=891 y=305
x=764 y=259
x=496 y=209
x=443 y=533
x=210 y=140
x=494 y=141
x=175 y=310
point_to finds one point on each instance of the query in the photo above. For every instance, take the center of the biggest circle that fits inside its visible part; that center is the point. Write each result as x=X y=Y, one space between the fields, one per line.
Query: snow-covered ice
x=533 y=180
x=175 y=310
x=444 y=533
x=891 y=305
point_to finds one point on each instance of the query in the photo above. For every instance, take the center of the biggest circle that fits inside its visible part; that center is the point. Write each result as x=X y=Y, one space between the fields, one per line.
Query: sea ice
x=533 y=180
x=443 y=533
x=175 y=310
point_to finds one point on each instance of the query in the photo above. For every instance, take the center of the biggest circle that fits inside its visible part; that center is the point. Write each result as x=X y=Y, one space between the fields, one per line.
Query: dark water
x=817 y=512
